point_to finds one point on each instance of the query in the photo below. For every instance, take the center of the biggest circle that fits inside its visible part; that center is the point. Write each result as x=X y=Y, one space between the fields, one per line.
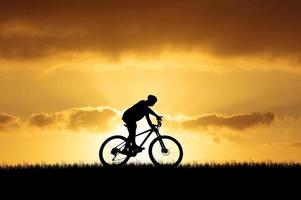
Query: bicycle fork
x=163 y=150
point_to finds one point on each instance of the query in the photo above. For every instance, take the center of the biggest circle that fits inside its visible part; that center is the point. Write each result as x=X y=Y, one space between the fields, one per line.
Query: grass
x=194 y=169
x=199 y=166
x=211 y=165
x=203 y=177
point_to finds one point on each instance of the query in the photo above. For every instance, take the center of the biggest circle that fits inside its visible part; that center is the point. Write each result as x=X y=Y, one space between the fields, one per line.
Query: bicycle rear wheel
x=165 y=150
x=110 y=151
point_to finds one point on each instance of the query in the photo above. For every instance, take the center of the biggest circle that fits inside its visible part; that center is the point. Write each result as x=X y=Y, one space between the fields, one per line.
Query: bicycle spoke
x=166 y=151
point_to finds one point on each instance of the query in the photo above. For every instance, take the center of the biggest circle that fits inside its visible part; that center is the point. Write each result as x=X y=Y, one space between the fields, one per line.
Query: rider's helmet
x=151 y=99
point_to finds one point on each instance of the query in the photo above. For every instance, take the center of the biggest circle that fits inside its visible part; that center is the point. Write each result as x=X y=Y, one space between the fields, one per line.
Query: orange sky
x=226 y=74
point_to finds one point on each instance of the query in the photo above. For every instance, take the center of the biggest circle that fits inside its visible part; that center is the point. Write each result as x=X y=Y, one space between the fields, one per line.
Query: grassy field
x=210 y=178
x=246 y=169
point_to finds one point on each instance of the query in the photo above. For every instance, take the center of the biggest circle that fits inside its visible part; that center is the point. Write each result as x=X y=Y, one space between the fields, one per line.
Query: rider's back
x=136 y=112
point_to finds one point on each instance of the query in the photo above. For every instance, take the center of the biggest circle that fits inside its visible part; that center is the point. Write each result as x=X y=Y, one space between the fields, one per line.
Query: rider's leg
x=132 y=132
x=132 y=136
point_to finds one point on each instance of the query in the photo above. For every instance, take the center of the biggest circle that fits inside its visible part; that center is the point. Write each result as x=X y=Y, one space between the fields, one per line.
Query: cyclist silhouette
x=162 y=150
x=136 y=113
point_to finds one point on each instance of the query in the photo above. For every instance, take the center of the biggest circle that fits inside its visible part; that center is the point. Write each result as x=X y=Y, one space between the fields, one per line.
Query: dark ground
x=224 y=179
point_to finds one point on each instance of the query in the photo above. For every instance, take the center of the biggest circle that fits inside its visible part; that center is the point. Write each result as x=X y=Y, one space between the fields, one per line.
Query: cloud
x=41 y=119
x=226 y=28
x=103 y=118
x=236 y=122
x=295 y=144
x=217 y=140
x=95 y=119
x=8 y=122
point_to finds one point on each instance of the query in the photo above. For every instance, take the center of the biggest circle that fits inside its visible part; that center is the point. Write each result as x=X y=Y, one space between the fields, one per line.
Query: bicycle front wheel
x=165 y=150
x=110 y=152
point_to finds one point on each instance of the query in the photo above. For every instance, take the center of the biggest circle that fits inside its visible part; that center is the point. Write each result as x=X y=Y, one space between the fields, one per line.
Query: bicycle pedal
x=139 y=149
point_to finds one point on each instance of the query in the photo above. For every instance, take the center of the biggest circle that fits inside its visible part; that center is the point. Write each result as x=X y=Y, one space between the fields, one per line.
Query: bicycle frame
x=149 y=134
x=149 y=131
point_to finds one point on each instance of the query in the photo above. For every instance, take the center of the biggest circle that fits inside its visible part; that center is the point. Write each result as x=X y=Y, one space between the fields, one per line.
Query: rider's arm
x=148 y=120
x=150 y=111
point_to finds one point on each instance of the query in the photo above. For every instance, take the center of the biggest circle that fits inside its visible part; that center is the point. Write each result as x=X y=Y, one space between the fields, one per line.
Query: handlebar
x=159 y=123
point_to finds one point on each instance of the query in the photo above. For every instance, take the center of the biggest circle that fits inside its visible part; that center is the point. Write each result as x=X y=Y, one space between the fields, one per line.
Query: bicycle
x=163 y=150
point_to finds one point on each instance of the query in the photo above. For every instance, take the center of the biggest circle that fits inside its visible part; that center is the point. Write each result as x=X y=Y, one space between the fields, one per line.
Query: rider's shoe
x=132 y=151
x=138 y=148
